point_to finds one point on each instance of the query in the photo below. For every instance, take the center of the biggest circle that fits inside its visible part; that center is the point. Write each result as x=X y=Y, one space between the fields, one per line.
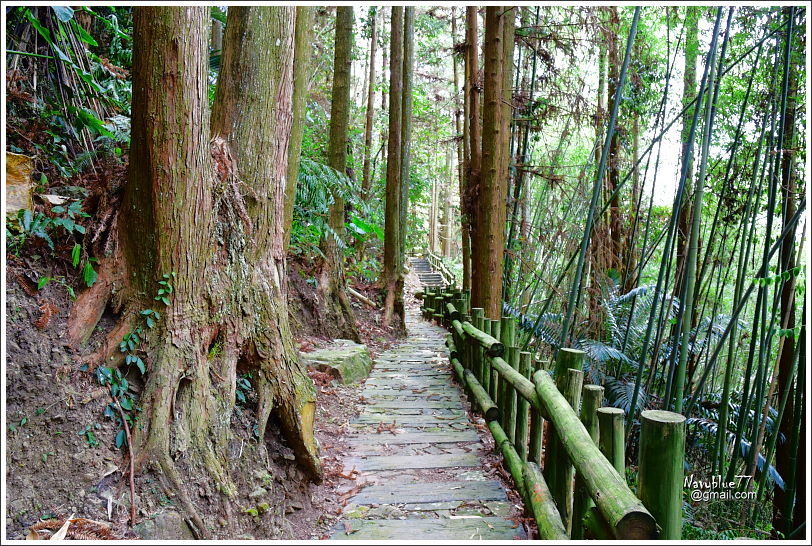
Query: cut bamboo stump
x=522 y=408
x=662 y=453
x=612 y=437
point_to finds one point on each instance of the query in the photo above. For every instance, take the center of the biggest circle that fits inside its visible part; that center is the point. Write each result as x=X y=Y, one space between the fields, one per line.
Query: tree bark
x=392 y=279
x=305 y=17
x=488 y=250
x=463 y=151
x=195 y=200
x=332 y=282
x=406 y=128
x=688 y=94
x=366 y=181
x=473 y=167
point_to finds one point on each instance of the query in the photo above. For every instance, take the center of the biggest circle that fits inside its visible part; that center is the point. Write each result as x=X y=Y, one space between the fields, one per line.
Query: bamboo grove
x=648 y=208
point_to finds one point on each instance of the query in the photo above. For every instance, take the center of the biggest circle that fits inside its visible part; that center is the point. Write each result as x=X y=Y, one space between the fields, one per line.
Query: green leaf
x=126 y=403
x=89 y=274
x=141 y=366
x=83 y=35
x=89 y=119
x=150 y=322
x=63 y=13
x=146 y=312
x=121 y=438
x=76 y=254
x=103 y=374
x=42 y=282
x=157 y=315
x=165 y=300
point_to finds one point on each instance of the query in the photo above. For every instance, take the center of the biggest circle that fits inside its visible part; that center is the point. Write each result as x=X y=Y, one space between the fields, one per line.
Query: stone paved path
x=419 y=455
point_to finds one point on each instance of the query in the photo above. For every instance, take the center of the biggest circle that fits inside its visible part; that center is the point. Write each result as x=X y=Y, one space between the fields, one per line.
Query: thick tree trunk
x=489 y=244
x=392 y=278
x=332 y=281
x=190 y=209
x=305 y=17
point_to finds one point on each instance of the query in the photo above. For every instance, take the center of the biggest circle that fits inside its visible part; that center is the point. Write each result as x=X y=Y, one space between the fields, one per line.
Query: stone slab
x=398 y=462
x=430 y=529
x=421 y=492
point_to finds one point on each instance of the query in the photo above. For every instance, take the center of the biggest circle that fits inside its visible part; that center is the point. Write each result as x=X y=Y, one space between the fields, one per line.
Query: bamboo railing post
x=496 y=331
x=477 y=319
x=612 y=437
x=591 y=400
x=485 y=361
x=536 y=428
x=507 y=336
x=554 y=461
x=662 y=453
x=522 y=408
x=564 y=470
x=542 y=506
x=509 y=394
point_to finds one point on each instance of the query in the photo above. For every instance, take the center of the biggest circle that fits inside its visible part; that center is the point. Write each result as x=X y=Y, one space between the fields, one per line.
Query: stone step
x=420 y=492
x=399 y=462
x=465 y=529
x=413 y=438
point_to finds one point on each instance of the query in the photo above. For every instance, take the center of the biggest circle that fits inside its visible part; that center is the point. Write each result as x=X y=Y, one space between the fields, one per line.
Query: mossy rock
x=347 y=361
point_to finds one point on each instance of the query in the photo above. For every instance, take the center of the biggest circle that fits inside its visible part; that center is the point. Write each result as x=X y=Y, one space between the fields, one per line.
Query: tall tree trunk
x=406 y=129
x=332 y=282
x=461 y=133
x=473 y=167
x=615 y=250
x=194 y=202
x=782 y=520
x=305 y=17
x=366 y=181
x=392 y=278
x=488 y=250
x=691 y=25
x=447 y=216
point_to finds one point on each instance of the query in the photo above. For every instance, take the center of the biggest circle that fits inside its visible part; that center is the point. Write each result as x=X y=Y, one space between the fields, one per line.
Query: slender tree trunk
x=615 y=250
x=781 y=519
x=305 y=17
x=688 y=94
x=192 y=197
x=331 y=278
x=392 y=277
x=462 y=159
x=447 y=216
x=366 y=181
x=474 y=166
x=406 y=128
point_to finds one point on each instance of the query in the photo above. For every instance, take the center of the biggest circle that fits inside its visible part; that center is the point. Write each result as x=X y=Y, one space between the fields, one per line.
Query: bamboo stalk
x=625 y=514
x=548 y=520
x=662 y=451
x=612 y=438
x=591 y=399
x=485 y=361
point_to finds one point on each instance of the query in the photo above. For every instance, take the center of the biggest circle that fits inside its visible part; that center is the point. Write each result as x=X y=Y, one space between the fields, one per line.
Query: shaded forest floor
x=61 y=454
